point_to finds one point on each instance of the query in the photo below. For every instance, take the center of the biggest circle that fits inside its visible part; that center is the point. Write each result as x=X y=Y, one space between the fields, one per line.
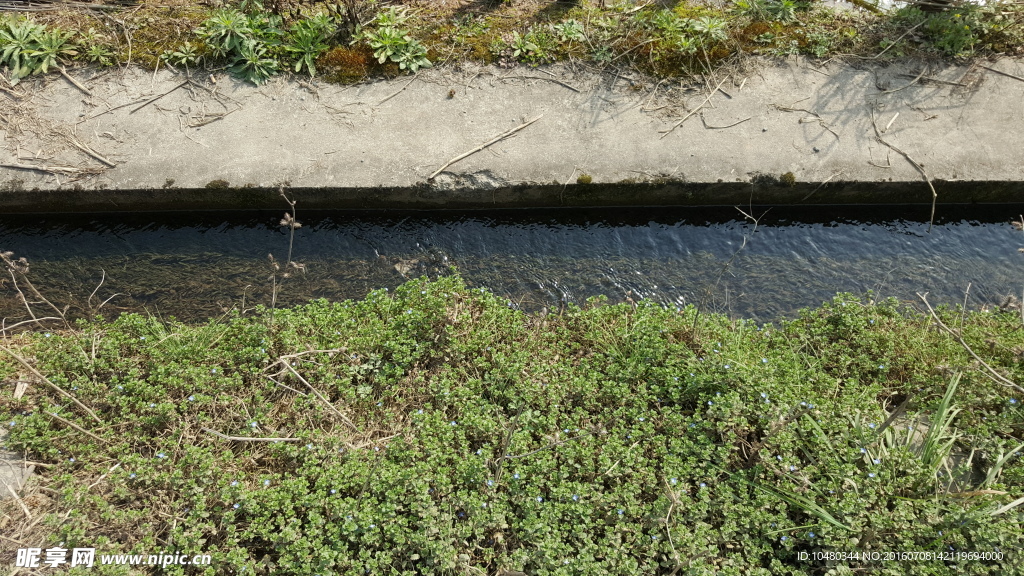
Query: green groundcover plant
x=437 y=429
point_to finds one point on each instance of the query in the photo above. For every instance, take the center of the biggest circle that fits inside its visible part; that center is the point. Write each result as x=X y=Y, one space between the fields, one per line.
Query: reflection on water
x=194 y=266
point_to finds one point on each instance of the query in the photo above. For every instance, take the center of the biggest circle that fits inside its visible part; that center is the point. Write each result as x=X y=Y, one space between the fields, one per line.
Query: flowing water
x=195 y=265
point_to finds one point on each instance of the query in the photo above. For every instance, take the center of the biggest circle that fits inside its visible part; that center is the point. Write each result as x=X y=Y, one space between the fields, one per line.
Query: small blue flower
x=863 y=451
x=309 y=446
x=133 y=475
x=540 y=499
x=763 y=395
x=779 y=457
x=266 y=482
x=575 y=497
x=333 y=491
x=871 y=474
x=234 y=482
x=641 y=418
x=877 y=461
x=119 y=387
x=1013 y=400
x=152 y=405
x=161 y=455
x=72 y=460
x=792 y=468
x=453 y=423
x=479 y=452
x=784 y=538
x=191 y=398
x=726 y=366
x=13 y=423
x=881 y=366
x=803 y=403
x=484 y=505
x=516 y=475
x=810 y=534
x=490 y=482
x=48 y=335
x=621 y=511
x=871 y=425
x=253 y=424
x=703 y=485
x=420 y=411
x=237 y=506
x=764 y=360
x=674 y=481
x=710 y=403
x=213 y=371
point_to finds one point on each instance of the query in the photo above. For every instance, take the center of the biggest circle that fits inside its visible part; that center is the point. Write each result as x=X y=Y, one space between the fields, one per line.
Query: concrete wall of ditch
x=776 y=132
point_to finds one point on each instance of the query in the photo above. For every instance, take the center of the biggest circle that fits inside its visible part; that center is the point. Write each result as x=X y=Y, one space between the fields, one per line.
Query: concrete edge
x=764 y=190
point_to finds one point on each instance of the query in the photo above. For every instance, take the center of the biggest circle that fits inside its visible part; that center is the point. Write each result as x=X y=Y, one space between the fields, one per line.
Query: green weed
x=390 y=41
x=450 y=432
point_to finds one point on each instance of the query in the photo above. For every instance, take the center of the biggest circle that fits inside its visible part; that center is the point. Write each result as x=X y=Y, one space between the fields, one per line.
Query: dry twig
x=77 y=427
x=914 y=27
x=721 y=127
x=400 y=90
x=46 y=381
x=814 y=117
x=694 y=111
x=935 y=196
x=24 y=508
x=159 y=96
x=1008 y=75
x=316 y=392
x=549 y=80
x=498 y=138
x=54 y=170
x=76 y=83
x=74 y=141
x=907 y=85
x=996 y=376
x=247 y=439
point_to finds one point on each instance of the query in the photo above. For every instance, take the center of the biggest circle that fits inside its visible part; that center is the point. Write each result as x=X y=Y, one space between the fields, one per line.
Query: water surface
x=195 y=265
